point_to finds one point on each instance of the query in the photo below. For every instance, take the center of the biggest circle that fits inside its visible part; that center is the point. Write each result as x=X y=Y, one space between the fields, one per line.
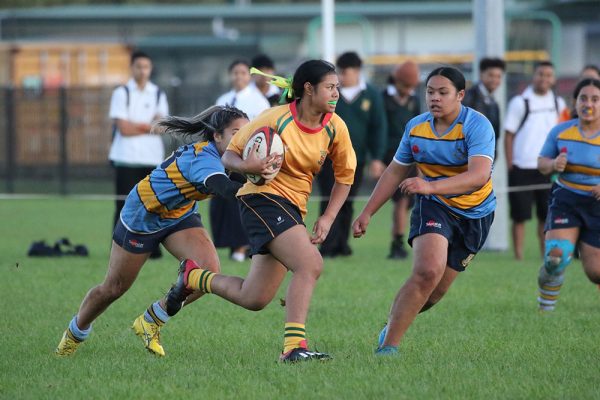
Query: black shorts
x=412 y=172
x=264 y=217
x=520 y=202
x=572 y=210
x=465 y=236
x=140 y=243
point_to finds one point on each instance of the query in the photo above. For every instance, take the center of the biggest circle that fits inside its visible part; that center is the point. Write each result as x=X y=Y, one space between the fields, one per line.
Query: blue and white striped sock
x=79 y=334
x=156 y=314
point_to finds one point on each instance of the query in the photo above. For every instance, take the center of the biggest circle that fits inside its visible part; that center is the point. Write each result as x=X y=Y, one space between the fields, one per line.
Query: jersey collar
x=304 y=128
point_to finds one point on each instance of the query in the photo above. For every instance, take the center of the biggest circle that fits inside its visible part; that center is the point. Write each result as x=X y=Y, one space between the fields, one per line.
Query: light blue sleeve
x=479 y=136
x=550 y=148
x=404 y=154
x=204 y=165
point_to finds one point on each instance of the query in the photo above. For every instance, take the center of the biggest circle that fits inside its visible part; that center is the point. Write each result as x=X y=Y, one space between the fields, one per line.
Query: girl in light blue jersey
x=453 y=148
x=162 y=208
x=573 y=150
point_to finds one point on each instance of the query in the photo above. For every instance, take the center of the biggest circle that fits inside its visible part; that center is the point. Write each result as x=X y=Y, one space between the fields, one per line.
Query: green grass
x=485 y=340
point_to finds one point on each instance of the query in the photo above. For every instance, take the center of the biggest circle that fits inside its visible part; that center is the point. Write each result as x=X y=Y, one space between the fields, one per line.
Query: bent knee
x=427 y=277
x=256 y=304
x=310 y=266
x=557 y=255
x=315 y=267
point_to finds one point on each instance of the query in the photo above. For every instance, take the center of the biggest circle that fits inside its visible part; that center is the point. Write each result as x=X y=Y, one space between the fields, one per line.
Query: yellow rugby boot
x=68 y=344
x=150 y=334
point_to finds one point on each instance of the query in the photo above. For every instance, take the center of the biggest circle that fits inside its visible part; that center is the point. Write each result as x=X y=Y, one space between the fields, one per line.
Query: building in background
x=57 y=95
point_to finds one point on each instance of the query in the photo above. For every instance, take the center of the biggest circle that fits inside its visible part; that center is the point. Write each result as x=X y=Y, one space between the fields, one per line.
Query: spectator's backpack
x=527 y=110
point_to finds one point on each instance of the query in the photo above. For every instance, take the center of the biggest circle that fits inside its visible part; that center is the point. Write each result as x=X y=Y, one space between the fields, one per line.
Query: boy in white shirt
x=529 y=118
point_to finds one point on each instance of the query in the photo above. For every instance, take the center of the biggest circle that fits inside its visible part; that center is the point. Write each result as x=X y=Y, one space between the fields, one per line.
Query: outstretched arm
x=221 y=185
x=386 y=186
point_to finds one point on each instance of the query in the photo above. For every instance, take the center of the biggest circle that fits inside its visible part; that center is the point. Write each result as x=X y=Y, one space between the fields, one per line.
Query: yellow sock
x=294 y=336
x=201 y=279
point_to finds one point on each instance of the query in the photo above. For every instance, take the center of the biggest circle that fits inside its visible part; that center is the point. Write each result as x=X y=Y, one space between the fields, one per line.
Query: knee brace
x=555 y=265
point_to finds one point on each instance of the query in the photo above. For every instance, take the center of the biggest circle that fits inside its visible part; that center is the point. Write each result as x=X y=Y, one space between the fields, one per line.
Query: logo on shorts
x=432 y=224
x=415 y=148
x=136 y=244
x=279 y=220
x=467 y=260
x=561 y=221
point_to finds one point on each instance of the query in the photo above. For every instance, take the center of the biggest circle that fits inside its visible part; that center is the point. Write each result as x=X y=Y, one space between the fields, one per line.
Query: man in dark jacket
x=361 y=107
x=401 y=105
x=480 y=96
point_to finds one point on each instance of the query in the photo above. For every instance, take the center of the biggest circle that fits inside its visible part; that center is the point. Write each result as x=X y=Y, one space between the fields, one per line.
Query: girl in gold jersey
x=272 y=214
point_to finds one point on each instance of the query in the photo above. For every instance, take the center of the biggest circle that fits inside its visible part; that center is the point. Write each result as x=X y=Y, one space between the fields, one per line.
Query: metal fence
x=57 y=140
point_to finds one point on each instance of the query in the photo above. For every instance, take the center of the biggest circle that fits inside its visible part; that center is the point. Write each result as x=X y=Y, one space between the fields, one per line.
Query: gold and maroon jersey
x=305 y=151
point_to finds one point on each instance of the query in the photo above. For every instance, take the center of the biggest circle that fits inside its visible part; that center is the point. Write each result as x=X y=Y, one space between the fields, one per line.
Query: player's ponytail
x=311 y=71
x=203 y=126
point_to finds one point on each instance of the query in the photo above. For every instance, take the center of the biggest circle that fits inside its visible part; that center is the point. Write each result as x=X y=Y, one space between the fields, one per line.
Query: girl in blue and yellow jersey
x=573 y=150
x=453 y=148
x=273 y=214
x=162 y=208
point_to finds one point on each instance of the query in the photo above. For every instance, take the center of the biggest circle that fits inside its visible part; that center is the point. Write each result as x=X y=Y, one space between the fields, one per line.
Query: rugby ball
x=269 y=142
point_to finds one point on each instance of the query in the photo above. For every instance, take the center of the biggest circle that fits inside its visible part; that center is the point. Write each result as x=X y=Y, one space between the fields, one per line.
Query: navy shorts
x=570 y=210
x=264 y=217
x=465 y=236
x=140 y=243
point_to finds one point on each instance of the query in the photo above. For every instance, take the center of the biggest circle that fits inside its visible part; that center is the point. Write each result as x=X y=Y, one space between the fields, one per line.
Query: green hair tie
x=280 y=82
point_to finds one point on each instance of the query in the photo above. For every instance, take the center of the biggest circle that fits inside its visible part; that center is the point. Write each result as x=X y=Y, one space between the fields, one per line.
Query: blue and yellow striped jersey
x=583 y=156
x=443 y=155
x=170 y=192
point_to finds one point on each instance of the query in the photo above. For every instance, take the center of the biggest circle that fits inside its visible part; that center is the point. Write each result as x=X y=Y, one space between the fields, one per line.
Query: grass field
x=485 y=340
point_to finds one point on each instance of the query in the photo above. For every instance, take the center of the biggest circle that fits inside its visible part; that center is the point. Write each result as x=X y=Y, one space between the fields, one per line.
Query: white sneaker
x=238 y=256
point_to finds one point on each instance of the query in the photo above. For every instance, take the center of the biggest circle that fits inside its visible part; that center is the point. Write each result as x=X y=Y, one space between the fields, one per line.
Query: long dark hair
x=311 y=71
x=203 y=126
x=584 y=83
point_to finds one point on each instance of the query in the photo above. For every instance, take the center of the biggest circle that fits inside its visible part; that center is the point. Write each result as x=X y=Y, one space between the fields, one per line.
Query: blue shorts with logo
x=465 y=236
x=568 y=209
x=140 y=243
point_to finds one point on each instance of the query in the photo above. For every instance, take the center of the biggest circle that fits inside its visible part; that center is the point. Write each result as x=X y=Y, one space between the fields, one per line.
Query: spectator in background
x=265 y=64
x=401 y=105
x=481 y=95
x=135 y=152
x=361 y=107
x=529 y=118
x=243 y=95
x=590 y=71
x=225 y=220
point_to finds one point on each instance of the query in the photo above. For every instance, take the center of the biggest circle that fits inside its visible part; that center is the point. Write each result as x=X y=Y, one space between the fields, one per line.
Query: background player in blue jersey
x=453 y=147
x=162 y=208
x=573 y=150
